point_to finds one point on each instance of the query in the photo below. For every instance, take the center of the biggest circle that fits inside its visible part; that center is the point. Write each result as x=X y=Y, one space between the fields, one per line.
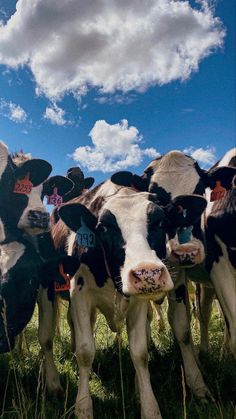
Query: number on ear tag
x=23 y=186
x=66 y=285
x=84 y=236
x=54 y=199
x=218 y=192
x=184 y=235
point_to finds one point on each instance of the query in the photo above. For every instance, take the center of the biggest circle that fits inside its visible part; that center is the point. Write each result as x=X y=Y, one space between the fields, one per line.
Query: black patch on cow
x=163 y=197
x=80 y=282
x=222 y=223
x=156 y=234
x=180 y=294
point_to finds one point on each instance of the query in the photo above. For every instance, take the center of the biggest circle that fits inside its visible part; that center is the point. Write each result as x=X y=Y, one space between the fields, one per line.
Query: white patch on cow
x=176 y=173
x=10 y=254
x=227 y=157
x=34 y=204
x=223 y=277
x=2 y=232
x=3 y=157
x=130 y=210
x=70 y=243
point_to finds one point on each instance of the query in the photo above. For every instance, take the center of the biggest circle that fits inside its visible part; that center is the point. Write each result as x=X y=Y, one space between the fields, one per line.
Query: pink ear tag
x=54 y=199
x=218 y=192
x=23 y=186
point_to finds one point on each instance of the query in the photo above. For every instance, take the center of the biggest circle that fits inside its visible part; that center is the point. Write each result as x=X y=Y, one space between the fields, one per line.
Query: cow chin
x=187 y=254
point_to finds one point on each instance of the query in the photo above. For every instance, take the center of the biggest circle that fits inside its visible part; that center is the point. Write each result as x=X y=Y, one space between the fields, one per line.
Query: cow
x=121 y=269
x=21 y=267
x=220 y=264
x=168 y=176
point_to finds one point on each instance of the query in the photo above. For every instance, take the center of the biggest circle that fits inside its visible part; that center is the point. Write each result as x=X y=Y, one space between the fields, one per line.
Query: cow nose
x=186 y=258
x=38 y=219
x=148 y=279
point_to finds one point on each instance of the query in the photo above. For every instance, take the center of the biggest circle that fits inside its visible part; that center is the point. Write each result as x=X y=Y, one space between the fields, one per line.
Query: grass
x=23 y=392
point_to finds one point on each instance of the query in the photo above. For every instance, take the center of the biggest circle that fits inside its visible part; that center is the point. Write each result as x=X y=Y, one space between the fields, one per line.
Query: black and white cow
x=168 y=176
x=220 y=264
x=21 y=267
x=122 y=269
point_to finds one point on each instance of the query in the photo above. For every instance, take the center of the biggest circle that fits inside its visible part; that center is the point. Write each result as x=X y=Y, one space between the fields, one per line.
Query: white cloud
x=115 y=147
x=119 y=45
x=12 y=111
x=206 y=156
x=55 y=115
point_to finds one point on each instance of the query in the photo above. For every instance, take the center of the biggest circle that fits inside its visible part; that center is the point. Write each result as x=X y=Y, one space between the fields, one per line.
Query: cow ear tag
x=218 y=192
x=66 y=285
x=23 y=186
x=184 y=235
x=54 y=199
x=84 y=236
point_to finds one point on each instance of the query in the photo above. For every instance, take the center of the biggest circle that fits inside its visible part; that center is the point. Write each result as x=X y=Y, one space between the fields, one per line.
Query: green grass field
x=23 y=393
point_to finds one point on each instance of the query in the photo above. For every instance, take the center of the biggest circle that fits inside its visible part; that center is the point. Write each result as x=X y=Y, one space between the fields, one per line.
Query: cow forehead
x=128 y=206
x=176 y=173
x=35 y=197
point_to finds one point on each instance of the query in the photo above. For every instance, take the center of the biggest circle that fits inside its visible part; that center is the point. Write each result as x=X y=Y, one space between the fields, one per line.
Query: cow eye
x=101 y=228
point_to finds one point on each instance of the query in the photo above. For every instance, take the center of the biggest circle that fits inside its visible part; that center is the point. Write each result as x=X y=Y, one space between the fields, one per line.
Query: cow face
x=20 y=188
x=185 y=247
x=129 y=229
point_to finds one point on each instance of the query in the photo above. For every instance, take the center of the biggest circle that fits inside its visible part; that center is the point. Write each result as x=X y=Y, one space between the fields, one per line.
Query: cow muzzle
x=149 y=279
x=39 y=220
x=187 y=254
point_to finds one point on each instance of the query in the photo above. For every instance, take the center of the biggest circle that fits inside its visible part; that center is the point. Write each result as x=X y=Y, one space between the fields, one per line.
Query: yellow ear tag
x=23 y=186
x=218 y=192
x=62 y=287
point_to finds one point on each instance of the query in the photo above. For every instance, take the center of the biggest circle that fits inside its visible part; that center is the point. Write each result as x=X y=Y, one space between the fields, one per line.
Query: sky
x=110 y=85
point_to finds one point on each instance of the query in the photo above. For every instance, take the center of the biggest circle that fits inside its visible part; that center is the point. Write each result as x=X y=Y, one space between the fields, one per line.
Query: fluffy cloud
x=115 y=147
x=119 y=45
x=12 y=111
x=55 y=115
x=205 y=156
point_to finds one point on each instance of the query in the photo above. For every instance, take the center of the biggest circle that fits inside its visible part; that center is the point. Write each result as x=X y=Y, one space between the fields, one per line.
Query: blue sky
x=110 y=85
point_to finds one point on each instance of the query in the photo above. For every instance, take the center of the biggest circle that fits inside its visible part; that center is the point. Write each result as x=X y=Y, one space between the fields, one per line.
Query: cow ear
x=62 y=183
x=126 y=178
x=37 y=169
x=72 y=214
x=185 y=210
x=223 y=174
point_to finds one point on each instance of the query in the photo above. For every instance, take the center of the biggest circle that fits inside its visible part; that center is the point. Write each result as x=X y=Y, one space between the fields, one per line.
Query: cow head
x=81 y=184
x=18 y=188
x=185 y=244
x=130 y=232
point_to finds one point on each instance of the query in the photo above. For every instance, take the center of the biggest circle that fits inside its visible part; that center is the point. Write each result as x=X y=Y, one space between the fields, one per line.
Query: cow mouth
x=38 y=220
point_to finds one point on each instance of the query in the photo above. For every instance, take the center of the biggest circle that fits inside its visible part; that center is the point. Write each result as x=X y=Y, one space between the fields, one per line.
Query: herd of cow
x=117 y=247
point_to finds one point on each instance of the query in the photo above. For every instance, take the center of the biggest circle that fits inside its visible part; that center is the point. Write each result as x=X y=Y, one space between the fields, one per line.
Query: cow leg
x=226 y=294
x=204 y=313
x=81 y=314
x=179 y=318
x=47 y=325
x=137 y=333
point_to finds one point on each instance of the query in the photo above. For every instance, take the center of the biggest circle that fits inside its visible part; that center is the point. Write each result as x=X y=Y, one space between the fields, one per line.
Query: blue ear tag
x=184 y=235
x=84 y=236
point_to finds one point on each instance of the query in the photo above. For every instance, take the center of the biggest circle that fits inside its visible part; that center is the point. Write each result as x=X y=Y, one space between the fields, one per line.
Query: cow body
x=119 y=276
x=169 y=176
x=221 y=255
x=22 y=268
